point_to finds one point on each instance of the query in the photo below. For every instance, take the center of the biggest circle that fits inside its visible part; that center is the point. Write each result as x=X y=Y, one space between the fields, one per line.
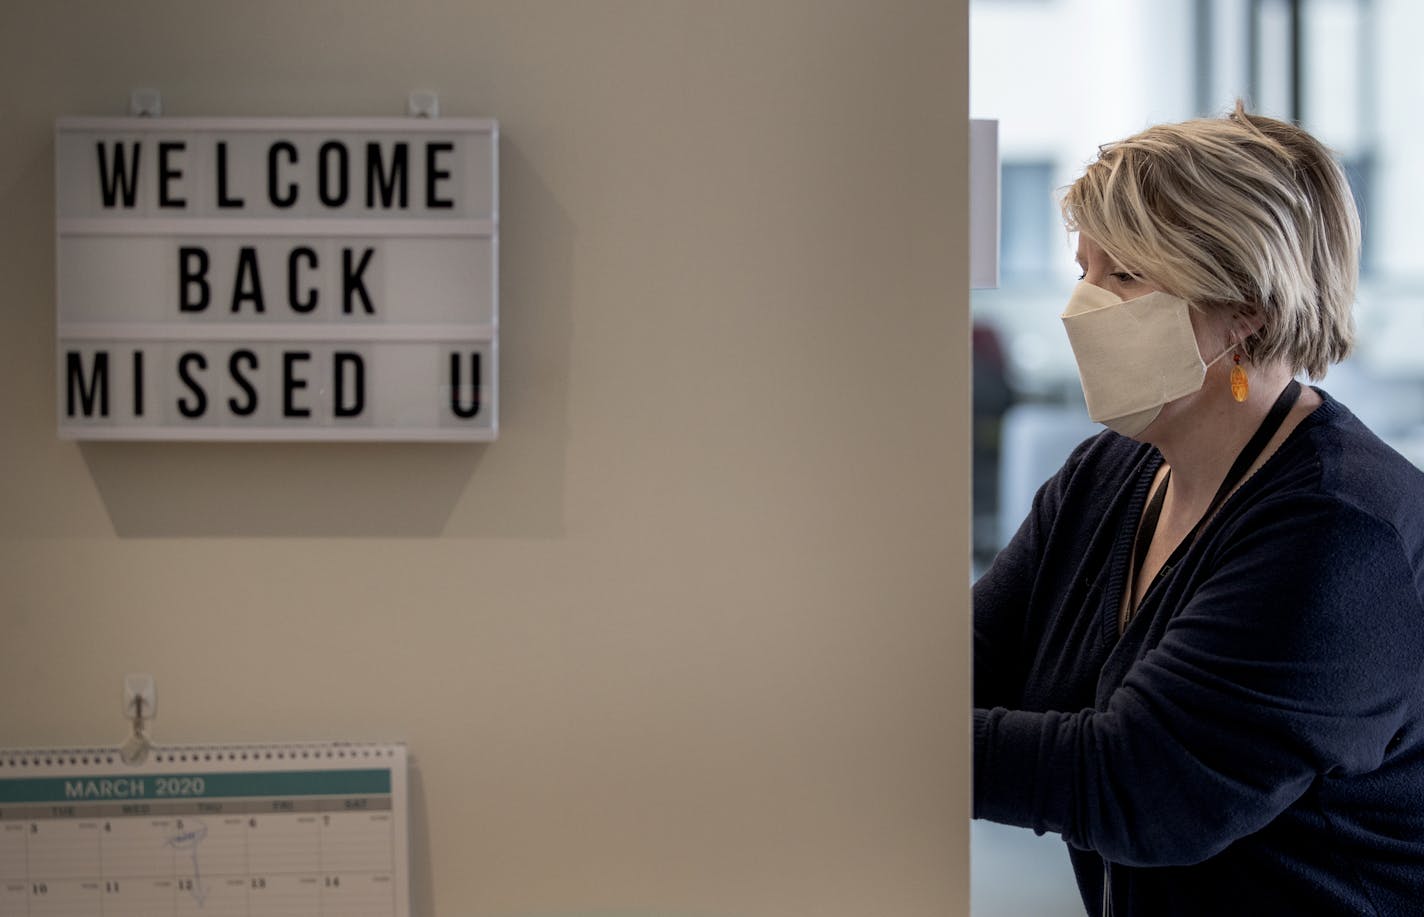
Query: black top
x=1254 y=742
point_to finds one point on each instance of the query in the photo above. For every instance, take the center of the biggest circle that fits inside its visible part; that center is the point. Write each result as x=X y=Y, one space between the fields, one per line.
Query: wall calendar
x=315 y=830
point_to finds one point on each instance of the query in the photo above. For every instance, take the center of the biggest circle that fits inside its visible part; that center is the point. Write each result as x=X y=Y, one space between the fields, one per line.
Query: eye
x=1124 y=277
x=1083 y=276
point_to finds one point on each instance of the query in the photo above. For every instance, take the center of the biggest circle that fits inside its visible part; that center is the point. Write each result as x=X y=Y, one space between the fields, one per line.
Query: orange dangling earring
x=1240 y=385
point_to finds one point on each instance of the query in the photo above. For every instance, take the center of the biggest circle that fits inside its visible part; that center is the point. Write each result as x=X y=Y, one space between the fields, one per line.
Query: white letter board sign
x=277 y=279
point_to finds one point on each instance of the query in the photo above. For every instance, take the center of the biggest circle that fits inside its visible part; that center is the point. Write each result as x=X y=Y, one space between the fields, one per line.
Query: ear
x=1246 y=320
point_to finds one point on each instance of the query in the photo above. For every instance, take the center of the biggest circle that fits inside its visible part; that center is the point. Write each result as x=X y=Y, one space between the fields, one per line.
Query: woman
x=1201 y=658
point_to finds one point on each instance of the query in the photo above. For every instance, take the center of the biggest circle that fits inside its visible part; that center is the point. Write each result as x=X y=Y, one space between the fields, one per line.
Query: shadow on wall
x=513 y=487
x=422 y=879
x=275 y=489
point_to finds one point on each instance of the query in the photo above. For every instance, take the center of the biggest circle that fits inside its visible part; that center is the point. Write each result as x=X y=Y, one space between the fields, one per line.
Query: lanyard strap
x=1244 y=460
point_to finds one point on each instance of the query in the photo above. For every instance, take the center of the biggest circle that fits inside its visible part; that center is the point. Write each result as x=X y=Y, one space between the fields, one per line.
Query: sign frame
x=455 y=234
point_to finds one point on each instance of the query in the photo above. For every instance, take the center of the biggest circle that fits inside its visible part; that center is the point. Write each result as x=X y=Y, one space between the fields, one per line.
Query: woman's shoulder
x=1355 y=463
x=1086 y=492
x=1336 y=465
x=1107 y=458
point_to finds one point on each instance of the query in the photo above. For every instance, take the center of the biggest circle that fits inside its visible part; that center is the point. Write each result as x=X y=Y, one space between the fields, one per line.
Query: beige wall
x=691 y=637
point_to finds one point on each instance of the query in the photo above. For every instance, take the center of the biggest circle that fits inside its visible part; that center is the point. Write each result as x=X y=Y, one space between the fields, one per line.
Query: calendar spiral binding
x=20 y=759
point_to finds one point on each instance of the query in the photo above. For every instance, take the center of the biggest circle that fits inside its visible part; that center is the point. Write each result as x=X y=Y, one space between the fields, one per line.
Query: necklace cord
x=1244 y=460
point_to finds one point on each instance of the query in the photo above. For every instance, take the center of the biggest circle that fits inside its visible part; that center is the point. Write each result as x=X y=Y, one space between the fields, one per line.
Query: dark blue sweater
x=1254 y=744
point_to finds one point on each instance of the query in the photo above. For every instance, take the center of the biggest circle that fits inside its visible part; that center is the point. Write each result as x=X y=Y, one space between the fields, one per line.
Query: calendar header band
x=160 y=787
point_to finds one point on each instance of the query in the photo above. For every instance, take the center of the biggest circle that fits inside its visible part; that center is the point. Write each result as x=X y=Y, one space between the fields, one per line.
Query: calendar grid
x=292 y=835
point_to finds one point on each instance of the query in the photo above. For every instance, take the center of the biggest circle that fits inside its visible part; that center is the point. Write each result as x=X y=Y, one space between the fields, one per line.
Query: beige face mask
x=1133 y=355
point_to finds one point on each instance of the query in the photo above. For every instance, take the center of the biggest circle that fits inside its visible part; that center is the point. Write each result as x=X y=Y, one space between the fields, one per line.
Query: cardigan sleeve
x=1001 y=597
x=1296 y=658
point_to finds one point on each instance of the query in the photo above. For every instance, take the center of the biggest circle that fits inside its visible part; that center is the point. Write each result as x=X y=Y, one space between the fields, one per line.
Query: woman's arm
x=1002 y=596
x=1296 y=659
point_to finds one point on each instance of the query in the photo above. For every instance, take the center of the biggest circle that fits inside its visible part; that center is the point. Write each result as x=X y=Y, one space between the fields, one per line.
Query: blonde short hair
x=1228 y=212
